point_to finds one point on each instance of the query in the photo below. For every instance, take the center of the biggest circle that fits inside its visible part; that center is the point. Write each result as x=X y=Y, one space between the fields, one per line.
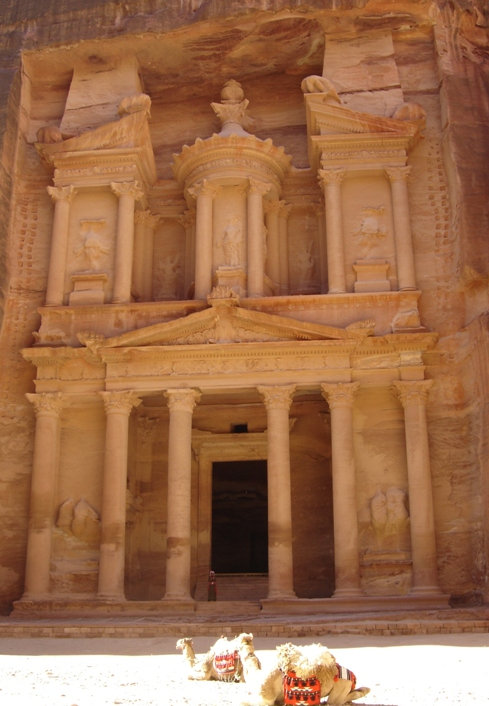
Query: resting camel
x=220 y=662
x=302 y=675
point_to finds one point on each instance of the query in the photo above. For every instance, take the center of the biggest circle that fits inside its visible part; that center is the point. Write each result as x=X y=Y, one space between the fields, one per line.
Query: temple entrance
x=239 y=517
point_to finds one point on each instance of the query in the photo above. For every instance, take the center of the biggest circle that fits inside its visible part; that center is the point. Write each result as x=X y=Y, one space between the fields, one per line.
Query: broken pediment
x=335 y=131
x=227 y=322
x=100 y=153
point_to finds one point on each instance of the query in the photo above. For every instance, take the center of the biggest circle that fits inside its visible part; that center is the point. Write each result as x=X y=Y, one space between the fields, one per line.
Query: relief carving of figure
x=371 y=231
x=170 y=271
x=389 y=517
x=305 y=262
x=231 y=243
x=92 y=247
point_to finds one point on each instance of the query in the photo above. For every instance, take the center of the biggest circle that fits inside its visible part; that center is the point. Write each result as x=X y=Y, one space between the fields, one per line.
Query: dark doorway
x=239 y=517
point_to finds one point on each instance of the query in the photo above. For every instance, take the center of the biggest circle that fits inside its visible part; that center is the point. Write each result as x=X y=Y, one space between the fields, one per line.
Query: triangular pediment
x=226 y=322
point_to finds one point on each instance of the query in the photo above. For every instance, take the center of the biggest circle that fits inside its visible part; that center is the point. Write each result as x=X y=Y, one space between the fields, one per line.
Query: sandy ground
x=400 y=671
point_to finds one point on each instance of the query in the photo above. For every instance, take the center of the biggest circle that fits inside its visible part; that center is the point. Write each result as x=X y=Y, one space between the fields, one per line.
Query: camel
x=302 y=675
x=221 y=662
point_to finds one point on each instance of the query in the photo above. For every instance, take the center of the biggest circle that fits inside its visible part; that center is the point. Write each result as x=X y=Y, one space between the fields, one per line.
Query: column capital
x=285 y=209
x=277 y=396
x=121 y=402
x=182 y=400
x=187 y=218
x=412 y=392
x=272 y=206
x=146 y=218
x=204 y=188
x=127 y=188
x=47 y=403
x=397 y=173
x=331 y=176
x=339 y=394
x=255 y=186
x=62 y=193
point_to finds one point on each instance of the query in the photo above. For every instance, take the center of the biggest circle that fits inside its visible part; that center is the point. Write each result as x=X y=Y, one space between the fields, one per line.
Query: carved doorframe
x=208 y=448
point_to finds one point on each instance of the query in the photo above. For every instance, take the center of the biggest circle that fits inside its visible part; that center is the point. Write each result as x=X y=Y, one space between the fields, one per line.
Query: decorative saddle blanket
x=226 y=665
x=301 y=692
x=344 y=673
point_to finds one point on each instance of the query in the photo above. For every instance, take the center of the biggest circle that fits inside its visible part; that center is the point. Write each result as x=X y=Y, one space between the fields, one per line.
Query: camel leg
x=358 y=693
x=340 y=693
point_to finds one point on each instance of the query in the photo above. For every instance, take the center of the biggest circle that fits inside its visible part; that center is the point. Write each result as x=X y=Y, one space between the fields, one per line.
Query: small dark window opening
x=239 y=428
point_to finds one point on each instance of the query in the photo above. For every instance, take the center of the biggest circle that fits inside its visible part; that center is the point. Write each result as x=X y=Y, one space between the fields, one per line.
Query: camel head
x=244 y=643
x=184 y=642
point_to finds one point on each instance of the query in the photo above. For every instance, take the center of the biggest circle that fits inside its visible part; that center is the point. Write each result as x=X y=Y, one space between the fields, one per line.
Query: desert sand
x=417 y=670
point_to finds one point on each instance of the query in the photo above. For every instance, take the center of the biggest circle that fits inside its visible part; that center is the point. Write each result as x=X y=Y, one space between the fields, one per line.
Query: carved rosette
x=397 y=173
x=62 y=193
x=47 y=403
x=340 y=394
x=277 y=396
x=413 y=392
x=120 y=402
x=182 y=400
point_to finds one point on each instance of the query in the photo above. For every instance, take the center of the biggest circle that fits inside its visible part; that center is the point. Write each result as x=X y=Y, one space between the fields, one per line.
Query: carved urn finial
x=232 y=110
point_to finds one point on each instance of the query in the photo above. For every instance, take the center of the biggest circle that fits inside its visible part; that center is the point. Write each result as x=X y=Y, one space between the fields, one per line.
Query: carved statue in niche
x=231 y=242
x=80 y=520
x=305 y=263
x=371 y=230
x=92 y=248
x=389 y=519
x=169 y=275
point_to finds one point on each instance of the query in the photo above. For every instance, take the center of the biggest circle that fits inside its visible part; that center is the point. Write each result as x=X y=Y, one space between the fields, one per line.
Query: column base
x=347 y=593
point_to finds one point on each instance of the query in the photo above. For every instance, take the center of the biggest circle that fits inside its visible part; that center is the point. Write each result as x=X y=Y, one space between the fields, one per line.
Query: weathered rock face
x=65 y=71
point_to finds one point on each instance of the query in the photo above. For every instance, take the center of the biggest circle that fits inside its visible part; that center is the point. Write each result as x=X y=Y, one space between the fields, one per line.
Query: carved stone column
x=406 y=274
x=323 y=256
x=181 y=404
x=256 y=237
x=62 y=197
x=128 y=193
x=118 y=406
x=284 y=246
x=340 y=398
x=204 y=193
x=280 y=557
x=145 y=224
x=331 y=182
x=413 y=396
x=47 y=406
x=272 y=209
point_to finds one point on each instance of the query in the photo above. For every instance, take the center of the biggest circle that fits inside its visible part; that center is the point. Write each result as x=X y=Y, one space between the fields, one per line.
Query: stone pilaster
x=62 y=197
x=128 y=193
x=406 y=274
x=280 y=557
x=330 y=180
x=272 y=209
x=118 y=406
x=283 y=216
x=256 y=231
x=204 y=193
x=413 y=396
x=340 y=397
x=181 y=403
x=47 y=406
